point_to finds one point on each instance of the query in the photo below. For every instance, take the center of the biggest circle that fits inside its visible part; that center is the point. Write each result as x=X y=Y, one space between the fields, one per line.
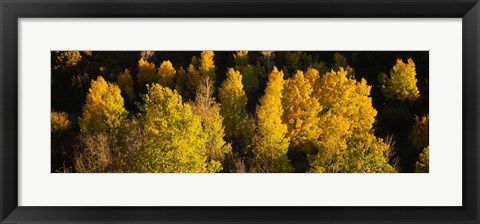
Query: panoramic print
x=239 y=111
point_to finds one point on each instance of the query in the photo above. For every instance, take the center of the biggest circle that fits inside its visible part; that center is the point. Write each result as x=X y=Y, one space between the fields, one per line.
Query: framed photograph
x=239 y=111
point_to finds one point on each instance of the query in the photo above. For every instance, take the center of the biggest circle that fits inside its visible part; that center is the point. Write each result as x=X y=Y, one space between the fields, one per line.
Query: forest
x=239 y=112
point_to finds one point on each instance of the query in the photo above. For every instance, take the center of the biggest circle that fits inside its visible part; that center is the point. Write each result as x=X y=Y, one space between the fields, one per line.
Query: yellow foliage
x=67 y=59
x=59 y=121
x=175 y=139
x=301 y=110
x=103 y=110
x=233 y=101
x=207 y=65
x=422 y=165
x=271 y=143
x=346 y=121
x=401 y=83
x=166 y=74
x=241 y=58
x=146 y=72
x=209 y=111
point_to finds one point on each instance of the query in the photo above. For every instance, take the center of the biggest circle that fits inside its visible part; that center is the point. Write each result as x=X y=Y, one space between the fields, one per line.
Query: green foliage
x=125 y=82
x=175 y=139
x=401 y=83
x=339 y=61
x=233 y=101
x=296 y=60
x=240 y=58
x=250 y=79
x=422 y=165
x=209 y=111
x=271 y=142
x=103 y=110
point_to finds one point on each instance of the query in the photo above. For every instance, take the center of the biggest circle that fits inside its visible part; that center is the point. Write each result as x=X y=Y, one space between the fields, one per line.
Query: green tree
x=175 y=140
x=296 y=60
x=103 y=110
x=209 y=111
x=233 y=101
x=271 y=142
x=340 y=61
x=250 y=78
x=401 y=83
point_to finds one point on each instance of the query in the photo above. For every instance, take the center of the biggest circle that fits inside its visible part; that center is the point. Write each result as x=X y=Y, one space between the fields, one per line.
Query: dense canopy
x=239 y=111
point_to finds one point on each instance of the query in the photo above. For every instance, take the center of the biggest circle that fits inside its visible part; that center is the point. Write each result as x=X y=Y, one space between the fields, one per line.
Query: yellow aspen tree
x=125 y=82
x=103 y=110
x=233 y=101
x=175 y=139
x=166 y=74
x=301 y=110
x=209 y=111
x=146 y=72
x=401 y=83
x=347 y=127
x=271 y=143
x=206 y=66
x=422 y=165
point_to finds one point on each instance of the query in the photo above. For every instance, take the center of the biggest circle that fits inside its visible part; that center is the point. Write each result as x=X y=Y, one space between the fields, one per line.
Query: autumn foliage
x=206 y=112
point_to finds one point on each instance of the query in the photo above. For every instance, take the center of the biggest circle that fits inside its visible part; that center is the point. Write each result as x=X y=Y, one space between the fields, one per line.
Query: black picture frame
x=11 y=11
